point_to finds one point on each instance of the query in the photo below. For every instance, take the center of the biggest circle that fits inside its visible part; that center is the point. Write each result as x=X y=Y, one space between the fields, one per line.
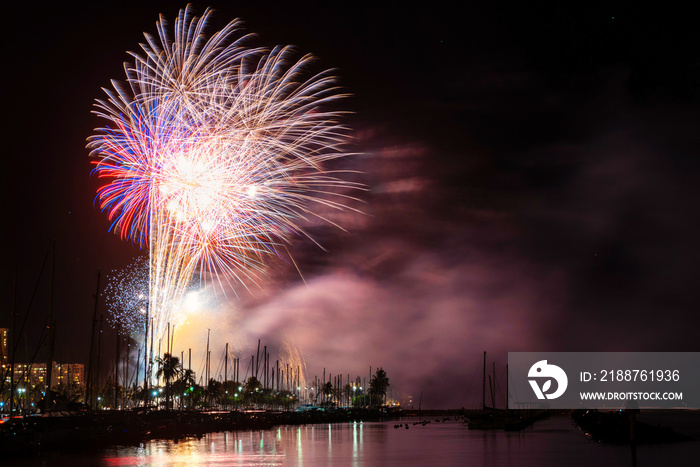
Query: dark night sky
x=532 y=169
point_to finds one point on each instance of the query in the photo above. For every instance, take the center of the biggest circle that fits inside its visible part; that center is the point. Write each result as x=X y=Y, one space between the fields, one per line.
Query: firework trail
x=213 y=154
x=292 y=359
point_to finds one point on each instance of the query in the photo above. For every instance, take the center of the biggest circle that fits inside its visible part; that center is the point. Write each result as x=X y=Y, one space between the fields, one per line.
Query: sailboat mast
x=90 y=375
x=12 y=343
x=145 y=357
x=116 y=367
x=483 y=385
x=493 y=389
x=52 y=331
x=506 y=386
x=206 y=382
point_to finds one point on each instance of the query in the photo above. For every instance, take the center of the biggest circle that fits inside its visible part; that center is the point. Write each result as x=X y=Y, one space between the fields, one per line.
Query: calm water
x=551 y=442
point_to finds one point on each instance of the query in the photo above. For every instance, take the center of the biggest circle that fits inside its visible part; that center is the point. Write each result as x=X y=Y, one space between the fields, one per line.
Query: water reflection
x=551 y=442
x=300 y=450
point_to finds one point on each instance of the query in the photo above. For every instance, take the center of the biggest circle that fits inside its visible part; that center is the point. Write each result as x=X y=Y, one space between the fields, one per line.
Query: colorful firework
x=214 y=152
x=126 y=295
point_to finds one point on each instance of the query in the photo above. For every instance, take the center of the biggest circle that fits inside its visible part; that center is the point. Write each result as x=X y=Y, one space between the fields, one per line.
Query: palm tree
x=230 y=388
x=347 y=394
x=214 y=392
x=168 y=368
x=251 y=389
x=327 y=390
x=184 y=385
x=378 y=386
x=252 y=384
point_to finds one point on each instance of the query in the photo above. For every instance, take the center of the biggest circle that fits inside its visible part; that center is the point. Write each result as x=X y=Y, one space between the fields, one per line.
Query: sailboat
x=491 y=418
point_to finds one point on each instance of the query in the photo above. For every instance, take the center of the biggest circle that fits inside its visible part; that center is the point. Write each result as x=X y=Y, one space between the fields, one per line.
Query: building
x=68 y=379
x=68 y=375
x=4 y=346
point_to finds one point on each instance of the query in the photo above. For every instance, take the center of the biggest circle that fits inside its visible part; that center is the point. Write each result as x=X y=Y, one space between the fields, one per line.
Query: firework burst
x=212 y=153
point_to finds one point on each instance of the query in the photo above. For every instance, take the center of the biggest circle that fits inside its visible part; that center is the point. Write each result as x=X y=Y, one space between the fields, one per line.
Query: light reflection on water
x=550 y=442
